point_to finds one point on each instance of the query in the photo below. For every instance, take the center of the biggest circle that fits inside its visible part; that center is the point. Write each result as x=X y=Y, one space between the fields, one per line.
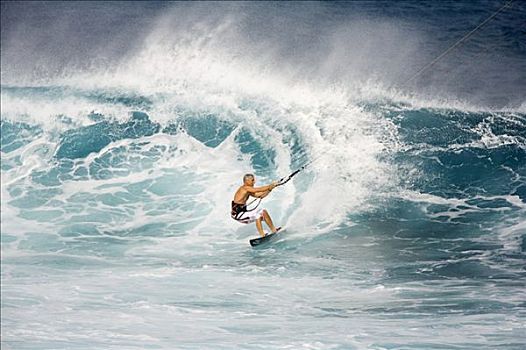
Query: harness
x=238 y=210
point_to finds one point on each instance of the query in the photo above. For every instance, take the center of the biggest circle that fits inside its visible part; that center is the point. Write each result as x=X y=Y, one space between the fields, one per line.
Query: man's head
x=249 y=179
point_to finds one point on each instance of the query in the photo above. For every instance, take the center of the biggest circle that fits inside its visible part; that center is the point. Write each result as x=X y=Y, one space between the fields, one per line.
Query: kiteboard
x=267 y=238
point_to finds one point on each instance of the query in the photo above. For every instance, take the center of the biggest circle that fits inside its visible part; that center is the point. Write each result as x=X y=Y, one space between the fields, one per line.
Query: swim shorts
x=248 y=217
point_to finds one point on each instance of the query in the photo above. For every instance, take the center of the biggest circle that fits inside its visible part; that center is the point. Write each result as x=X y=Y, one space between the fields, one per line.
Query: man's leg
x=259 y=226
x=268 y=220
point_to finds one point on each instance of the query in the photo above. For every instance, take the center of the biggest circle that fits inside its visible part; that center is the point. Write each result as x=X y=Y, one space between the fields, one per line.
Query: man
x=239 y=204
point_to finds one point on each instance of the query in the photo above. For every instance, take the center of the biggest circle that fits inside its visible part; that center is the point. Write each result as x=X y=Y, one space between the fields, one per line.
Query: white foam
x=511 y=234
x=47 y=112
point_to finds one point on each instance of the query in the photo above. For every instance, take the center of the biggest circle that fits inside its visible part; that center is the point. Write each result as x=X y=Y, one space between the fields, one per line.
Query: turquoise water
x=408 y=230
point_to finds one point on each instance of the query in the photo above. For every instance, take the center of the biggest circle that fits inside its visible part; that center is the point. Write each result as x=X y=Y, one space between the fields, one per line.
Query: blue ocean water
x=126 y=128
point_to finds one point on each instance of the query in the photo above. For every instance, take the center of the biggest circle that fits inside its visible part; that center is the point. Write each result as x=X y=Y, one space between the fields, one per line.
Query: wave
x=197 y=105
x=364 y=153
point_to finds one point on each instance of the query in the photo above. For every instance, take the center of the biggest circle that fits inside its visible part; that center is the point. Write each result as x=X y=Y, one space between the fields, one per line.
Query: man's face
x=251 y=181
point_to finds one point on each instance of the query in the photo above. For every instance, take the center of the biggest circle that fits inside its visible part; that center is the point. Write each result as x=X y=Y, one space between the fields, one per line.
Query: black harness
x=238 y=210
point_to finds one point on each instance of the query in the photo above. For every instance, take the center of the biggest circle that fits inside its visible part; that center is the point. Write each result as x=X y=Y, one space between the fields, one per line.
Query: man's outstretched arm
x=261 y=194
x=254 y=190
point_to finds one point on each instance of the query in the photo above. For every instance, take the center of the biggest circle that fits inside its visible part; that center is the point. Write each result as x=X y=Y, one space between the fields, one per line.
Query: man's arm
x=261 y=194
x=254 y=190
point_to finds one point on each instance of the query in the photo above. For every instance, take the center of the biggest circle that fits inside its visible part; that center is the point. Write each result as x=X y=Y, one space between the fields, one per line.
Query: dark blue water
x=126 y=127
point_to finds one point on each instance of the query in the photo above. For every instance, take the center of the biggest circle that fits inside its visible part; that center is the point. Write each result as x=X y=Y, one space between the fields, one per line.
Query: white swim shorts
x=248 y=217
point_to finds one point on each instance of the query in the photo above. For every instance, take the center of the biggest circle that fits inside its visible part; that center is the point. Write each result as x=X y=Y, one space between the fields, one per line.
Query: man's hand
x=273 y=185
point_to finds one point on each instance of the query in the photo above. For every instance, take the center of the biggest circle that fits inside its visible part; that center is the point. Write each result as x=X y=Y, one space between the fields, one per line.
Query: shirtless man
x=239 y=208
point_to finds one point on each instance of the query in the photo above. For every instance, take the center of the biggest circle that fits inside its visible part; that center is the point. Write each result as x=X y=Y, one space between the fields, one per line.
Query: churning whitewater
x=127 y=127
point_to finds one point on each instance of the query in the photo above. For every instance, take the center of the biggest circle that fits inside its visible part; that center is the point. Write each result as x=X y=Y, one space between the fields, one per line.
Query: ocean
x=126 y=128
